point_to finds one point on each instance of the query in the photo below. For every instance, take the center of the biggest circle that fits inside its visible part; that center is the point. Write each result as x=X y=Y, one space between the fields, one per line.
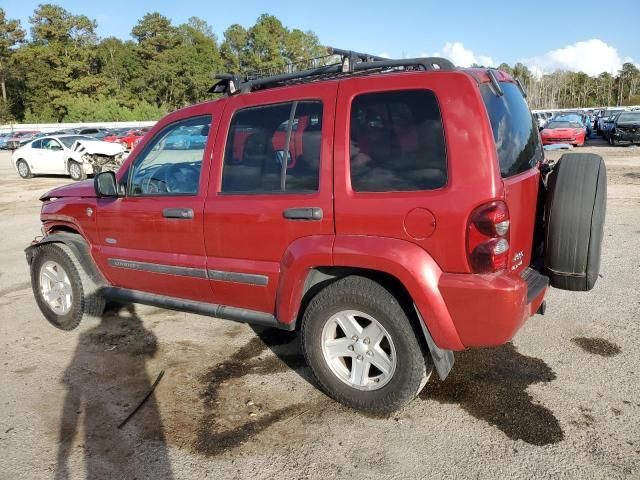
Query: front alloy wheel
x=55 y=287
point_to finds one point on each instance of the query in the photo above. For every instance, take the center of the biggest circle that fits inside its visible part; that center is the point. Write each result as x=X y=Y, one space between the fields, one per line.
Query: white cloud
x=591 y=57
x=463 y=57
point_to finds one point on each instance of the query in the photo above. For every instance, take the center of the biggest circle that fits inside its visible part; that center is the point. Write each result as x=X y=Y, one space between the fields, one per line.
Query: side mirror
x=104 y=184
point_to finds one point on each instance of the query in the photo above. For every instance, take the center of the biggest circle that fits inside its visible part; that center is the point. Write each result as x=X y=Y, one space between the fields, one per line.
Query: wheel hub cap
x=55 y=287
x=358 y=350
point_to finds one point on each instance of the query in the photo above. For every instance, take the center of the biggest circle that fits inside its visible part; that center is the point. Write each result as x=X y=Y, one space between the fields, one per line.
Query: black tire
x=85 y=300
x=575 y=213
x=413 y=364
x=24 y=166
x=76 y=172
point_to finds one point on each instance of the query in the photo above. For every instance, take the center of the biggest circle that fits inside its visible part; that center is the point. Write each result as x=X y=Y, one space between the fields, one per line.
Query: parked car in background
x=127 y=138
x=573 y=118
x=184 y=138
x=605 y=116
x=73 y=155
x=625 y=128
x=98 y=133
x=4 y=137
x=563 y=131
x=541 y=119
x=13 y=142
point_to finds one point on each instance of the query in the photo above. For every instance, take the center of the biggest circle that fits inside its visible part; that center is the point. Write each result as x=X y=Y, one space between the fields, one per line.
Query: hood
x=97 y=147
x=78 y=189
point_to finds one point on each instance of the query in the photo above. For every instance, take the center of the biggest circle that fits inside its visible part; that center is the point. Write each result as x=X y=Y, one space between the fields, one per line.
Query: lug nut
x=370 y=353
x=359 y=357
x=367 y=341
x=354 y=338
x=350 y=348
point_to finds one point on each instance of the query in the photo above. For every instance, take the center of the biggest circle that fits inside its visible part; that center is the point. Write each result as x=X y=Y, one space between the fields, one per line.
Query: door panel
x=49 y=160
x=245 y=228
x=151 y=239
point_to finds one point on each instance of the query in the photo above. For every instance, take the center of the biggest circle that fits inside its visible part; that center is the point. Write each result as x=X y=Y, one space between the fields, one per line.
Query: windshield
x=629 y=118
x=515 y=131
x=553 y=125
x=68 y=141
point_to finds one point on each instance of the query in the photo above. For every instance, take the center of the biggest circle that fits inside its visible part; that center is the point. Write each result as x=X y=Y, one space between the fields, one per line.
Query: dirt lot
x=561 y=401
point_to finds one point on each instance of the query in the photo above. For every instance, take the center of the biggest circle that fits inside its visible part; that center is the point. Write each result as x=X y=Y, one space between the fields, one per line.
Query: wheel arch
x=79 y=247
x=318 y=278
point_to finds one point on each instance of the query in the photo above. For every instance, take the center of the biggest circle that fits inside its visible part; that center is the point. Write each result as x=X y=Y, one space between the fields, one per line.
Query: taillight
x=488 y=238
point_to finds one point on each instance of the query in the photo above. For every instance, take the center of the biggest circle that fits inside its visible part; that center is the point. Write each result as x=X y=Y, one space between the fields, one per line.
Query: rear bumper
x=487 y=310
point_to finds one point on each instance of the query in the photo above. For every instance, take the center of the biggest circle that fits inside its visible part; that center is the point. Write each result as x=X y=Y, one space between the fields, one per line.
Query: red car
x=128 y=139
x=563 y=132
x=412 y=223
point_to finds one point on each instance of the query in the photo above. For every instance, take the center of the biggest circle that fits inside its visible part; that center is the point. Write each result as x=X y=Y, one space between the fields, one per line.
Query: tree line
x=63 y=71
x=563 y=89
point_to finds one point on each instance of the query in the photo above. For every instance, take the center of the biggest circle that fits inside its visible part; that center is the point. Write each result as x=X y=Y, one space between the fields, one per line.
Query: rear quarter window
x=397 y=142
x=515 y=132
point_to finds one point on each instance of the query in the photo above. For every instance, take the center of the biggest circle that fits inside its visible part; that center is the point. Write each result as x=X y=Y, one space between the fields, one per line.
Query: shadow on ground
x=220 y=431
x=106 y=379
x=491 y=385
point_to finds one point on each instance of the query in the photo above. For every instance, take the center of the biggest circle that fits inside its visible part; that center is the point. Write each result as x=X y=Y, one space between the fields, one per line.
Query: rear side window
x=515 y=133
x=397 y=142
x=37 y=144
x=257 y=158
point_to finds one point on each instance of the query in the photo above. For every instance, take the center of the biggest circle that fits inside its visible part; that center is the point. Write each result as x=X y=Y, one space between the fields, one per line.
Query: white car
x=74 y=155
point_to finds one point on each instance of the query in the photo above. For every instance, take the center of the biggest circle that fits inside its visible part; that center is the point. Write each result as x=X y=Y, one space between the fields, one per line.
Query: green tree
x=11 y=35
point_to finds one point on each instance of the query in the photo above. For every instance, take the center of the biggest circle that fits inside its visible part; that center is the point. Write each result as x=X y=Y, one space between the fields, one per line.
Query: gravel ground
x=561 y=401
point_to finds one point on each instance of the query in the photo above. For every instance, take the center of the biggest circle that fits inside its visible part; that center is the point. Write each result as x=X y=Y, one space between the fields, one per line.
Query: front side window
x=397 y=142
x=171 y=162
x=257 y=158
x=51 y=144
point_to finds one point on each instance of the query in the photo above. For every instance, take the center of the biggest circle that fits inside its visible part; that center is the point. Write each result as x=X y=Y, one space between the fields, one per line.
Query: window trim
x=131 y=168
x=365 y=193
x=294 y=103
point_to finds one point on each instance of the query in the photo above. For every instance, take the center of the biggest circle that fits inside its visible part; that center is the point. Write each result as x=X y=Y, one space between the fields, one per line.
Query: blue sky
x=496 y=31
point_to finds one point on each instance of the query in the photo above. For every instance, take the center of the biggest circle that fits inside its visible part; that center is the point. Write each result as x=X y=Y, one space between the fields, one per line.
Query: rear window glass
x=397 y=142
x=515 y=133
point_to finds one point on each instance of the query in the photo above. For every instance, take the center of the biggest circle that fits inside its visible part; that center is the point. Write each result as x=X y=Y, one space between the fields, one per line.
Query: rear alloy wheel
x=23 y=169
x=362 y=347
x=359 y=350
x=75 y=171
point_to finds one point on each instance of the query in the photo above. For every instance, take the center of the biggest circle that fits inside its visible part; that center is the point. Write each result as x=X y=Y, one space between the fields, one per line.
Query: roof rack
x=351 y=63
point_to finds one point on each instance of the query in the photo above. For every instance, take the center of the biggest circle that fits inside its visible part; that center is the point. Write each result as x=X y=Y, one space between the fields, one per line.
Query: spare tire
x=575 y=211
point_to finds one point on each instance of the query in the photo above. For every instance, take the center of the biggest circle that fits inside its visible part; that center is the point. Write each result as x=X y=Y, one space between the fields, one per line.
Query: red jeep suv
x=392 y=211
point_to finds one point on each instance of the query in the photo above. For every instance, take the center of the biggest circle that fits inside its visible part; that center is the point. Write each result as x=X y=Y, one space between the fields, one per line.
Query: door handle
x=303 y=213
x=179 y=213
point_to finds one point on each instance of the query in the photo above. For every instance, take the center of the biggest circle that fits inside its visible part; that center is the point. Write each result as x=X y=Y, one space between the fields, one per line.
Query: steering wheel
x=156 y=182
x=181 y=178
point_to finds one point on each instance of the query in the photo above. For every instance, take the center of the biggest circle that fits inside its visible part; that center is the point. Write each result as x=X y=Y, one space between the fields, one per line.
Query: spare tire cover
x=575 y=212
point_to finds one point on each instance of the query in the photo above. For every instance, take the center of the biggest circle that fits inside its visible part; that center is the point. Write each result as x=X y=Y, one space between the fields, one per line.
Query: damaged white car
x=73 y=155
